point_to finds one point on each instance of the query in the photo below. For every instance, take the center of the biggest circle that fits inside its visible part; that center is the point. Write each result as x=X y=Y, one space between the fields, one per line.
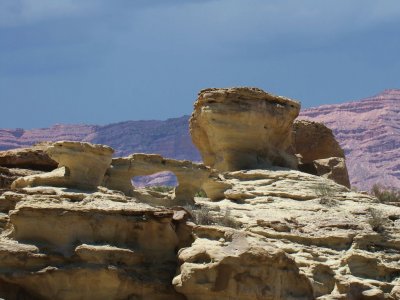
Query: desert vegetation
x=205 y=216
x=385 y=194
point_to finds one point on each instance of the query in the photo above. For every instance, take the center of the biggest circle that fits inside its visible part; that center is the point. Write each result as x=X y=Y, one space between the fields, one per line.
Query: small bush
x=203 y=216
x=323 y=190
x=161 y=188
x=385 y=194
x=228 y=221
x=377 y=221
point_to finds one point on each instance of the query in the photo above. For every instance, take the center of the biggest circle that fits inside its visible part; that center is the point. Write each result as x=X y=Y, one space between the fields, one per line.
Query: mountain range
x=368 y=130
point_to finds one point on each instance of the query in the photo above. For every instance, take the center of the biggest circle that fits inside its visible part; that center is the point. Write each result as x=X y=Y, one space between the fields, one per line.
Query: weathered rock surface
x=243 y=128
x=80 y=165
x=33 y=158
x=320 y=154
x=313 y=140
x=226 y=264
x=327 y=231
x=62 y=244
x=190 y=176
x=333 y=168
x=9 y=175
x=294 y=236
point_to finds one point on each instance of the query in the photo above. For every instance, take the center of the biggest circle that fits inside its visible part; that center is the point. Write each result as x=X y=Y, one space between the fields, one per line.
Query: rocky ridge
x=272 y=233
x=367 y=130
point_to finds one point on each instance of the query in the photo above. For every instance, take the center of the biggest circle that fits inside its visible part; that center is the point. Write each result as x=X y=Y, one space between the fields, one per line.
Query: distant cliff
x=369 y=132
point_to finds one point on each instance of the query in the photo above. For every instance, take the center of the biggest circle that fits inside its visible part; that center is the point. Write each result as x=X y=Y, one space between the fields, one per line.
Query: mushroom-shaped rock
x=80 y=165
x=243 y=128
x=191 y=176
x=320 y=153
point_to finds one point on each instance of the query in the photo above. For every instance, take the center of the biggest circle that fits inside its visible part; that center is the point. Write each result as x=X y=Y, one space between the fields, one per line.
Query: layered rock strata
x=61 y=244
x=345 y=243
x=80 y=165
x=243 y=128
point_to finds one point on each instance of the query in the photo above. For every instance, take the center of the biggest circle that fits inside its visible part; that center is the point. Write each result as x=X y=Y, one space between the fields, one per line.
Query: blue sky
x=98 y=61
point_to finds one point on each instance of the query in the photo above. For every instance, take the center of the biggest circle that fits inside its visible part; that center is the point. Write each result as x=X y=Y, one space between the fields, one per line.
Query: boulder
x=190 y=176
x=80 y=165
x=243 y=128
x=313 y=140
x=319 y=152
x=333 y=168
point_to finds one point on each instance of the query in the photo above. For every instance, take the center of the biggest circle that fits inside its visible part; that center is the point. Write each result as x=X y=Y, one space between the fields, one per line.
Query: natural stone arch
x=190 y=176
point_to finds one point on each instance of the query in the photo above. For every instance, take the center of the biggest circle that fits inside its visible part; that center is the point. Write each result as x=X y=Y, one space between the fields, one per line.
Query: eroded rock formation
x=243 y=128
x=191 y=176
x=33 y=158
x=80 y=165
x=276 y=233
x=320 y=153
x=61 y=244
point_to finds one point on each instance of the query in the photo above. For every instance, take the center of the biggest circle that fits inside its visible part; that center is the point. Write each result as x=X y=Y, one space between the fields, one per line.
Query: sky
x=100 y=62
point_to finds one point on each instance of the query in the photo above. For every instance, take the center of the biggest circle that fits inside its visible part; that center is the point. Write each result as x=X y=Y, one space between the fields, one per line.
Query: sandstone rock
x=325 y=228
x=319 y=151
x=314 y=140
x=191 y=176
x=238 y=266
x=333 y=168
x=33 y=158
x=80 y=165
x=8 y=175
x=97 y=248
x=243 y=128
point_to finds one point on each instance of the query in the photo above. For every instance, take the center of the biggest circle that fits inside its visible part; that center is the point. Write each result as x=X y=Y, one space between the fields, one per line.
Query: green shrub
x=323 y=191
x=377 y=220
x=385 y=194
x=203 y=216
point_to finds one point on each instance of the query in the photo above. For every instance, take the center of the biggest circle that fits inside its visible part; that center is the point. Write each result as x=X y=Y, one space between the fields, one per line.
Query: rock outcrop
x=9 y=175
x=33 y=158
x=60 y=244
x=226 y=264
x=80 y=165
x=345 y=243
x=190 y=176
x=275 y=233
x=243 y=128
x=313 y=140
x=320 y=154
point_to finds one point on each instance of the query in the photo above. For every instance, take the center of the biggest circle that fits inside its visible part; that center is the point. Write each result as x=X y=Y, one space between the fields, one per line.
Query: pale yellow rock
x=238 y=266
x=80 y=165
x=190 y=176
x=323 y=226
x=103 y=246
x=243 y=128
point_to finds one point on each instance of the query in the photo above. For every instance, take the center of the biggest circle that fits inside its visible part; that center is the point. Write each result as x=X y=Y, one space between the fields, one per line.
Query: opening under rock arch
x=160 y=179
